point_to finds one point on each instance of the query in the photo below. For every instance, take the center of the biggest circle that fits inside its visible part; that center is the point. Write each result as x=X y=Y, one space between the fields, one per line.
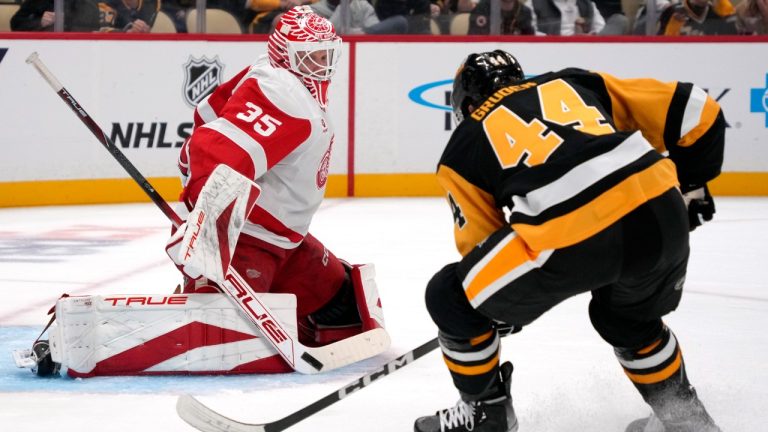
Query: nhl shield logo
x=201 y=76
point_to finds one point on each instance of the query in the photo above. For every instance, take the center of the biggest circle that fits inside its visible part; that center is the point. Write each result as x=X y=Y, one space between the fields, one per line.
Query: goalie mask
x=479 y=76
x=306 y=44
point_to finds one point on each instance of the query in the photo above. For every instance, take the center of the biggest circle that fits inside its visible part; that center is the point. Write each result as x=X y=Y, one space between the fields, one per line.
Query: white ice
x=566 y=378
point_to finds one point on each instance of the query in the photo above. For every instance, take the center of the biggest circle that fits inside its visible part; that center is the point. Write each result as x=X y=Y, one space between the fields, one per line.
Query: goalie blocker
x=183 y=333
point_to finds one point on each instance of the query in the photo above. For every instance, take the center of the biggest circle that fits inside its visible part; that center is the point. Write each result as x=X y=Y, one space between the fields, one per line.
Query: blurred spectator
x=452 y=6
x=238 y=8
x=443 y=11
x=38 y=15
x=363 y=18
x=616 y=22
x=416 y=12
x=699 y=17
x=177 y=10
x=641 y=19
x=129 y=16
x=567 y=17
x=753 y=15
x=516 y=18
x=436 y=8
x=608 y=8
x=261 y=15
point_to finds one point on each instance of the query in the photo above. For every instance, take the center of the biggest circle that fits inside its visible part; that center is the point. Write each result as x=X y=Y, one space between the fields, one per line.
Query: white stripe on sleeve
x=205 y=110
x=693 y=110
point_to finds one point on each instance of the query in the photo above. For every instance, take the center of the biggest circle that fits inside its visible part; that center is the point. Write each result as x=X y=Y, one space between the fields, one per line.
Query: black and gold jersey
x=569 y=153
x=687 y=19
x=117 y=15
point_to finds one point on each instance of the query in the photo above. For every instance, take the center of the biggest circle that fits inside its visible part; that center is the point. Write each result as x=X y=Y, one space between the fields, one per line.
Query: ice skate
x=492 y=414
x=45 y=365
x=685 y=414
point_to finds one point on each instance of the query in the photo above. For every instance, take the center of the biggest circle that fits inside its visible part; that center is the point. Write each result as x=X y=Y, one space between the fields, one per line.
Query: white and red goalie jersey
x=265 y=124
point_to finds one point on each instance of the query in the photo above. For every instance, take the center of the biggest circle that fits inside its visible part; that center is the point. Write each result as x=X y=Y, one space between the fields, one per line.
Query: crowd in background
x=455 y=17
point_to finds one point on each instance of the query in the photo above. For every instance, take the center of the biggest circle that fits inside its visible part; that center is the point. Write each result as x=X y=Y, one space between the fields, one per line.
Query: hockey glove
x=205 y=243
x=700 y=205
x=173 y=249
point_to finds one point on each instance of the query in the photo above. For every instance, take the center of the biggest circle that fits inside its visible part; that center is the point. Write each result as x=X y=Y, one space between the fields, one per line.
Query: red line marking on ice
x=44 y=305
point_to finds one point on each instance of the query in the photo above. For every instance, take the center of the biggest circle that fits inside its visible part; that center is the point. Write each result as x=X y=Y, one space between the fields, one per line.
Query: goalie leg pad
x=164 y=334
x=367 y=296
x=362 y=290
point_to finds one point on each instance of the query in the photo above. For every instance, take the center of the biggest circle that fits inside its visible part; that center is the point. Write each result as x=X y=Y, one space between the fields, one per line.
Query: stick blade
x=348 y=351
x=205 y=419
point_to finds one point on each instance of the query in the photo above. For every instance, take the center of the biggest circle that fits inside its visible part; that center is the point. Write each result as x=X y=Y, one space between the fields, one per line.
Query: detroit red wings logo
x=325 y=165
x=318 y=26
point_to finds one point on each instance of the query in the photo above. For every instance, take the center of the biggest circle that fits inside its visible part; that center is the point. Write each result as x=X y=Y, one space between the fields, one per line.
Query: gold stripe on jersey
x=477 y=207
x=472 y=370
x=508 y=260
x=706 y=119
x=640 y=104
x=601 y=212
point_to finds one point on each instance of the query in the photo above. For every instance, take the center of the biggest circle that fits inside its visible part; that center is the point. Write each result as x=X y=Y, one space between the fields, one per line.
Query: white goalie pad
x=213 y=226
x=367 y=296
x=164 y=334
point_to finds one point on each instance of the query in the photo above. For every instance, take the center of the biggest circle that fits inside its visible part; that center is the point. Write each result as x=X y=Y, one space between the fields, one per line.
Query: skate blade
x=24 y=358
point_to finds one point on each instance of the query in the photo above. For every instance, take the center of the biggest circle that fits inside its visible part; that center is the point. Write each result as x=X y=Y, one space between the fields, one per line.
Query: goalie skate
x=38 y=359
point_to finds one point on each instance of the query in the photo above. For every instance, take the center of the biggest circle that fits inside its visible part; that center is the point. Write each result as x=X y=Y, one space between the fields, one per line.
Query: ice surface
x=566 y=378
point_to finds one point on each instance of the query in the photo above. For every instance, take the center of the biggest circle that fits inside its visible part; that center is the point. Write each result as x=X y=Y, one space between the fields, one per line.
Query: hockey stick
x=207 y=420
x=303 y=359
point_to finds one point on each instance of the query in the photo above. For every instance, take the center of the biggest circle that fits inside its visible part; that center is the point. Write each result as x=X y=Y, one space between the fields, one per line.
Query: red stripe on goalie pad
x=274 y=364
x=175 y=343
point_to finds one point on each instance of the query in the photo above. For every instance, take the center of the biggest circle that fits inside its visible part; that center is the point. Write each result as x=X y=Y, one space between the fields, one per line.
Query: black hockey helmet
x=479 y=76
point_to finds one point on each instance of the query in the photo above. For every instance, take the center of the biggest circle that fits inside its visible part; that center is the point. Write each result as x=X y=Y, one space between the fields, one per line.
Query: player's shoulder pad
x=573 y=71
x=463 y=140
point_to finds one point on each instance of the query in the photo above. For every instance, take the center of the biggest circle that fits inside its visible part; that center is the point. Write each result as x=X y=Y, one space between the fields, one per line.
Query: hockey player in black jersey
x=567 y=183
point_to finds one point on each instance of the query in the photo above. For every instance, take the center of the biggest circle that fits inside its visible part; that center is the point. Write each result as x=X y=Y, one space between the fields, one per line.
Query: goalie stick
x=205 y=419
x=303 y=359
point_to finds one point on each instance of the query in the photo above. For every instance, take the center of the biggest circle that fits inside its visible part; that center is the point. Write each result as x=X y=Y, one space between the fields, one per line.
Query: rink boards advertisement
x=142 y=94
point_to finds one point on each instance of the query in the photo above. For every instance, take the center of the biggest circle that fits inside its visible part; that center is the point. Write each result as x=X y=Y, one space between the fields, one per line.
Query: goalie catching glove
x=701 y=206
x=204 y=244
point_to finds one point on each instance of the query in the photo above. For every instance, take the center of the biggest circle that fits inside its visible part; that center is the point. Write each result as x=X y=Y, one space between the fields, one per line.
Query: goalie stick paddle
x=205 y=419
x=303 y=359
